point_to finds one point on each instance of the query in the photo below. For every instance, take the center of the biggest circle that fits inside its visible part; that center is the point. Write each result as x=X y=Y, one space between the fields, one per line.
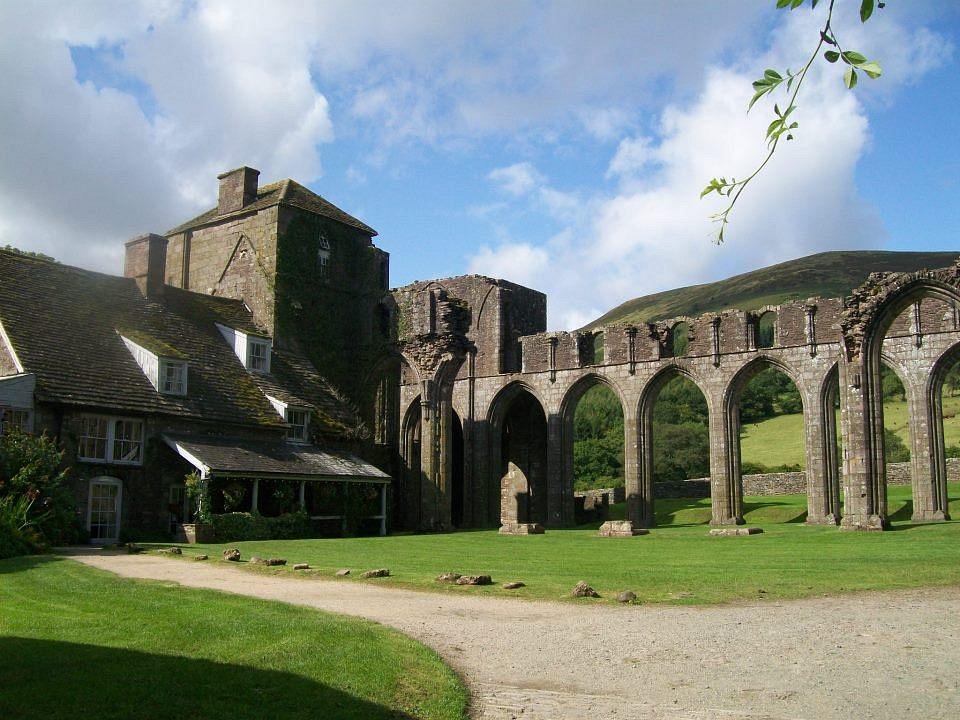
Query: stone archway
x=518 y=436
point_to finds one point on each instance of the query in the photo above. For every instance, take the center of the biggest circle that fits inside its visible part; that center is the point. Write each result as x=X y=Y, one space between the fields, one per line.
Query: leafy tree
x=784 y=123
x=680 y=452
x=895 y=449
x=598 y=440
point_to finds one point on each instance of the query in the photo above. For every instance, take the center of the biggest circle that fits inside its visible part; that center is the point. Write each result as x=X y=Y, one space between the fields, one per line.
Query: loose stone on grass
x=342 y=573
x=381 y=572
x=448 y=577
x=620 y=528
x=301 y=566
x=201 y=557
x=133 y=548
x=733 y=532
x=581 y=589
x=474 y=580
x=231 y=554
x=513 y=585
x=171 y=551
x=627 y=596
x=270 y=562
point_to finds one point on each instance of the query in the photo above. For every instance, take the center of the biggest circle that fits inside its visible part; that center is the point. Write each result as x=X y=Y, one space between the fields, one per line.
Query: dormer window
x=296 y=416
x=164 y=366
x=258 y=355
x=253 y=350
x=174 y=378
x=299 y=421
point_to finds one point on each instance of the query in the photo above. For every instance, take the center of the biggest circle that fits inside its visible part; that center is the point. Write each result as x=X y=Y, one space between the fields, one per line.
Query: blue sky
x=562 y=145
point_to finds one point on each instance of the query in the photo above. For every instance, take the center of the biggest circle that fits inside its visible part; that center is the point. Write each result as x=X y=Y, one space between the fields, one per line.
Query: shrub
x=239 y=526
x=31 y=483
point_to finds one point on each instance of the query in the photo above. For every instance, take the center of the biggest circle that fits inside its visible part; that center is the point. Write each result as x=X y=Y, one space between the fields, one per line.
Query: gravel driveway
x=870 y=655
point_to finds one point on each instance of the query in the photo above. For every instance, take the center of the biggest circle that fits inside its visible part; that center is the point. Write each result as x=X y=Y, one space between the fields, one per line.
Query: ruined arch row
x=827 y=347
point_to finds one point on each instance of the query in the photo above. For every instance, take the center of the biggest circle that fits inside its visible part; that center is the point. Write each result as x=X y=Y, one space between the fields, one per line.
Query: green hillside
x=829 y=274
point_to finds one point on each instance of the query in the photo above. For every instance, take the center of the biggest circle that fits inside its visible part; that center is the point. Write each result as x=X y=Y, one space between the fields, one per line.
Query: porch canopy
x=258 y=460
x=233 y=458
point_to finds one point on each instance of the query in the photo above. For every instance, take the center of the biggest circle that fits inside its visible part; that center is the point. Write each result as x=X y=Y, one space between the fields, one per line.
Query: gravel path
x=870 y=655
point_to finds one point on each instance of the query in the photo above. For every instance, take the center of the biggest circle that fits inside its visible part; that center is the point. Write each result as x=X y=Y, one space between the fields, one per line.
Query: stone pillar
x=254 y=495
x=927 y=459
x=639 y=497
x=822 y=508
x=302 y=499
x=559 y=477
x=863 y=506
x=429 y=465
x=726 y=488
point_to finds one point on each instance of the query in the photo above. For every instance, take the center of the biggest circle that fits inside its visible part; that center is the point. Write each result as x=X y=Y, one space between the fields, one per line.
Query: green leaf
x=796 y=4
x=759 y=94
x=773 y=75
x=831 y=56
x=850 y=78
x=783 y=3
x=866 y=10
x=871 y=68
x=854 y=58
x=827 y=39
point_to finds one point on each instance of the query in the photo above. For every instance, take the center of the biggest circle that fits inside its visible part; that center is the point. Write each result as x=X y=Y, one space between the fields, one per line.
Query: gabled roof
x=65 y=325
x=285 y=192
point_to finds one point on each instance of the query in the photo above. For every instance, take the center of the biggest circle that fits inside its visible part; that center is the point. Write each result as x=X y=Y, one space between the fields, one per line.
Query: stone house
x=204 y=358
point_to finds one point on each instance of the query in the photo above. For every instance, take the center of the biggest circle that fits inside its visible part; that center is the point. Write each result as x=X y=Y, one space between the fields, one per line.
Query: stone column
x=726 y=488
x=820 y=443
x=254 y=495
x=639 y=495
x=429 y=464
x=862 y=508
x=559 y=477
x=927 y=459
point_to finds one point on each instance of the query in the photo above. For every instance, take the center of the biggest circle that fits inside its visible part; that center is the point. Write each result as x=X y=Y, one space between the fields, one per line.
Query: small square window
x=174 y=378
x=298 y=420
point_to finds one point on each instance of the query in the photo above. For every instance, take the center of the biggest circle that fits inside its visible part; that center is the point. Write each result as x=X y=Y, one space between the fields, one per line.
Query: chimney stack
x=146 y=262
x=238 y=188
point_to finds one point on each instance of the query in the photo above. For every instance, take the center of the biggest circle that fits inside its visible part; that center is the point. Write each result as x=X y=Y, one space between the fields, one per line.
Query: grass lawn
x=677 y=563
x=77 y=642
x=780 y=440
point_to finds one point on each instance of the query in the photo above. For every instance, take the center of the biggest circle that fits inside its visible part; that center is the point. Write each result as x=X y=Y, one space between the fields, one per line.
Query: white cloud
x=633 y=155
x=656 y=236
x=517 y=179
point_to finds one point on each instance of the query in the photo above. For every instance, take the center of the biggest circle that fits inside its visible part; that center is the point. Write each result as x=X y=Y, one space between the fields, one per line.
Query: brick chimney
x=237 y=189
x=146 y=262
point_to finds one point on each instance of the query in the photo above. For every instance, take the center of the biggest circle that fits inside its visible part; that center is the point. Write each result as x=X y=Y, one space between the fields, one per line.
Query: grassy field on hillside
x=78 y=642
x=828 y=274
x=780 y=440
x=677 y=563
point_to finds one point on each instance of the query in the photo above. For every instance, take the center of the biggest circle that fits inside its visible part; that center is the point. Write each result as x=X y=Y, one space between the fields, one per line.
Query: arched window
x=767 y=330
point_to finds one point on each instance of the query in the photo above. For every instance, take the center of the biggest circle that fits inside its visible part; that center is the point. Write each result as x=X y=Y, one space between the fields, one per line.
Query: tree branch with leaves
x=784 y=123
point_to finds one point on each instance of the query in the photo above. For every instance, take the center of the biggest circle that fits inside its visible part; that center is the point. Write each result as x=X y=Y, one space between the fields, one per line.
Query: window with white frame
x=19 y=419
x=299 y=422
x=258 y=356
x=173 y=380
x=110 y=440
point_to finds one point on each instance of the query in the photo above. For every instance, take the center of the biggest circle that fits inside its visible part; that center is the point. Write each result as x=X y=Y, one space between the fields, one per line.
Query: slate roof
x=65 y=323
x=226 y=457
x=284 y=192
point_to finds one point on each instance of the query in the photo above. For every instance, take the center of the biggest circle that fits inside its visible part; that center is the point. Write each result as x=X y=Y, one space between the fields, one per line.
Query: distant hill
x=828 y=274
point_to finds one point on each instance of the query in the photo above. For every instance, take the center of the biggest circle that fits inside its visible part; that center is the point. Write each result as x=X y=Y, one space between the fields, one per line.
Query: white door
x=103 y=510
